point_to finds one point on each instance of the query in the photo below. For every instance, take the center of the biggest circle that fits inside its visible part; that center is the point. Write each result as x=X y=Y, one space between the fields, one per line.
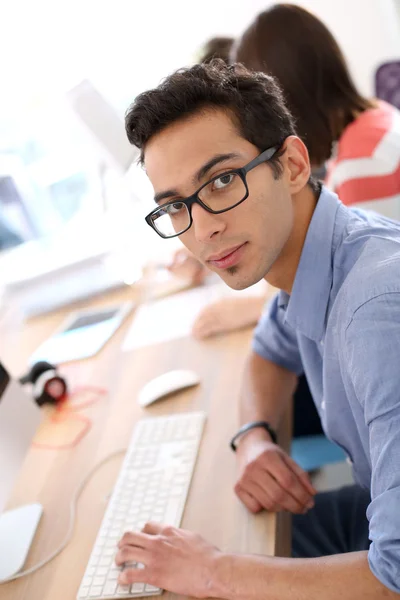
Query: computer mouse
x=166 y=384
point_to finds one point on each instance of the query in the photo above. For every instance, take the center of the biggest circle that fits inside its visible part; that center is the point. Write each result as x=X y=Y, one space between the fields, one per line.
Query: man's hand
x=268 y=478
x=174 y=559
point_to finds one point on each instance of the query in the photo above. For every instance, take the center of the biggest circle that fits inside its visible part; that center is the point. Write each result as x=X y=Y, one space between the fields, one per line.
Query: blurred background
x=71 y=193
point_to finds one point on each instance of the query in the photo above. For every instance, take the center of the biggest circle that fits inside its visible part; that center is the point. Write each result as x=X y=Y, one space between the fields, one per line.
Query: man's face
x=241 y=244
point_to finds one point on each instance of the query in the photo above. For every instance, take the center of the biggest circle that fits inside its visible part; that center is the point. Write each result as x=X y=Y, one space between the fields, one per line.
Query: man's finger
x=134 y=538
x=130 y=554
x=290 y=481
x=133 y=575
x=260 y=493
x=279 y=498
x=251 y=503
x=153 y=528
x=305 y=478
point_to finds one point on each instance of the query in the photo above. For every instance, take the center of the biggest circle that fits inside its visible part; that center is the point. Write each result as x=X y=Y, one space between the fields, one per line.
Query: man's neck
x=283 y=271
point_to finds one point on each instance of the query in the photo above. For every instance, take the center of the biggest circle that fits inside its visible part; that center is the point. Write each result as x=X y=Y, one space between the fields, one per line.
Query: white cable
x=72 y=518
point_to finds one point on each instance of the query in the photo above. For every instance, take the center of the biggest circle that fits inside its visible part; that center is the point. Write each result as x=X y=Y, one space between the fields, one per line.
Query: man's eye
x=175 y=208
x=224 y=180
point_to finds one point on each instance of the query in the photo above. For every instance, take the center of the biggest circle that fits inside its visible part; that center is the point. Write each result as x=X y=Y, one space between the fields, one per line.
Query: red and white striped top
x=366 y=168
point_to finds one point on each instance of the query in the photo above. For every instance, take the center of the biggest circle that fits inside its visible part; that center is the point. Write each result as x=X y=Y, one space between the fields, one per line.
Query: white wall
x=125 y=46
x=165 y=34
x=368 y=32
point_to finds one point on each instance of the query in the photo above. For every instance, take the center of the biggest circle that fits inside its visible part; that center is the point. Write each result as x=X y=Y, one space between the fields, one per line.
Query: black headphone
x=48 y=386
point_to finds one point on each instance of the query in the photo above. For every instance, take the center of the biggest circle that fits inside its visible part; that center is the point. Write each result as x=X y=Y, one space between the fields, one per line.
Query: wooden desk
x=51 y=476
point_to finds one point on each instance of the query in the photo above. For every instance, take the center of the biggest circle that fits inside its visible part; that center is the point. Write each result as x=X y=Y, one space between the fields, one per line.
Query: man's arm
x=371 y=358
x=344 y=576
x=182 y=562
x=270 y=374
x=267 y=477
x=266 y=392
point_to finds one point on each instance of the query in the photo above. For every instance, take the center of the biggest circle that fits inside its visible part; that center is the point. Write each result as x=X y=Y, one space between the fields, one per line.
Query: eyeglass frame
x=265 y=156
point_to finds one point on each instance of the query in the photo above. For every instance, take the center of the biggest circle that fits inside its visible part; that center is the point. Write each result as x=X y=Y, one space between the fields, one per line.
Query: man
x=233 y=180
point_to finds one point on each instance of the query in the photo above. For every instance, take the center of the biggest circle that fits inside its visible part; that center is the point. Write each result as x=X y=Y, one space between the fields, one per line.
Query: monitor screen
x=92 y=319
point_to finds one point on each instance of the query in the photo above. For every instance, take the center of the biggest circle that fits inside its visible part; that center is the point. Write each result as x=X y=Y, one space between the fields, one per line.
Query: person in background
x=357 y=138
x=227 y=314
x=216 y=47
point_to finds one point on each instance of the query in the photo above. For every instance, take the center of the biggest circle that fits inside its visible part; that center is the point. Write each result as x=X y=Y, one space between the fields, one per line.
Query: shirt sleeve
x=372 y=350
x=371 y=177
x=361 y=190
x=276 y=341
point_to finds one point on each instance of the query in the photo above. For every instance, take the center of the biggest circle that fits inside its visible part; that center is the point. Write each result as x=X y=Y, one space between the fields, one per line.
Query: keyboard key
x=110 y=588
x=113 y=574
x=123 y=589
x=151 y=588
x=137 y=588
x=104 y=562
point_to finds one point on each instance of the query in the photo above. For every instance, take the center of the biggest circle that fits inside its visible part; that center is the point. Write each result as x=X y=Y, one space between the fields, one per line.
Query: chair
x=312 y=452
x=310 y=448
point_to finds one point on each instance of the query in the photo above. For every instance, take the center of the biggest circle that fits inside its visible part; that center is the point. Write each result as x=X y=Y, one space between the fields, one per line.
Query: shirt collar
x=307 y=305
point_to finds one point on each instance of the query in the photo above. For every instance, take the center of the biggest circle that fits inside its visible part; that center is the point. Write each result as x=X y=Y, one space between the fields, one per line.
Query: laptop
x=39 y=279
x=19 y=419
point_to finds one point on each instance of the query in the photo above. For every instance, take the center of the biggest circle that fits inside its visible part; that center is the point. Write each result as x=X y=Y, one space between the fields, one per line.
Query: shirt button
x=323 y=405
x=349 y=461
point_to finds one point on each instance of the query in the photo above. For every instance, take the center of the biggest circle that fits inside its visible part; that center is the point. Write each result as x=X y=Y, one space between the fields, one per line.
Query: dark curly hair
x=254 y=100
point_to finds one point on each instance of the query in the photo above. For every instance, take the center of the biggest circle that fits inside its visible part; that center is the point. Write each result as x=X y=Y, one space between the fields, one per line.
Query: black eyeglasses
x=220 y=194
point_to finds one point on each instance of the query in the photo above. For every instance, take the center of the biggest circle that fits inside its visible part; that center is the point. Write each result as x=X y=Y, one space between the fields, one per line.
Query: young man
x=233 y=180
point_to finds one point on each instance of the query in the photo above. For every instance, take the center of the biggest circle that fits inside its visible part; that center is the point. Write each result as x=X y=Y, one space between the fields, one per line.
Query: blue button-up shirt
x=341 y=327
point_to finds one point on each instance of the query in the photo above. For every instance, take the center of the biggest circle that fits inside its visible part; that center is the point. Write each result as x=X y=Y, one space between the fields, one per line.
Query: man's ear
x=296 y=163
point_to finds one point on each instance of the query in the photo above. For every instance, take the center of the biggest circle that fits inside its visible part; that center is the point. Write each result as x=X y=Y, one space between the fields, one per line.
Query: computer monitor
x=24 y=205
x=104 y=126
x=19 y=419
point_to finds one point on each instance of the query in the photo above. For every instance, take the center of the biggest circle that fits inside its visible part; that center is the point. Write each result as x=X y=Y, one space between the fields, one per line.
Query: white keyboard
x=152 y=486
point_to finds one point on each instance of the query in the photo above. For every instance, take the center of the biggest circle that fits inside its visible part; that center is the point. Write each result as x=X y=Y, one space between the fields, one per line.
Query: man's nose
x=206 y=225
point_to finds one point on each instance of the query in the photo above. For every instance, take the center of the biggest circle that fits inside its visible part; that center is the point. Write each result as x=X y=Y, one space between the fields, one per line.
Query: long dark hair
x=294 y=46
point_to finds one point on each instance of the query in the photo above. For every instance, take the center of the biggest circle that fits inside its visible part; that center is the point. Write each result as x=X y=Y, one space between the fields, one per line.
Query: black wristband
x=264 y=424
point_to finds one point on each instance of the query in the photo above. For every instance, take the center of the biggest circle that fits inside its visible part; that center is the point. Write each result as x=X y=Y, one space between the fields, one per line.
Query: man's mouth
x=227 y=258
